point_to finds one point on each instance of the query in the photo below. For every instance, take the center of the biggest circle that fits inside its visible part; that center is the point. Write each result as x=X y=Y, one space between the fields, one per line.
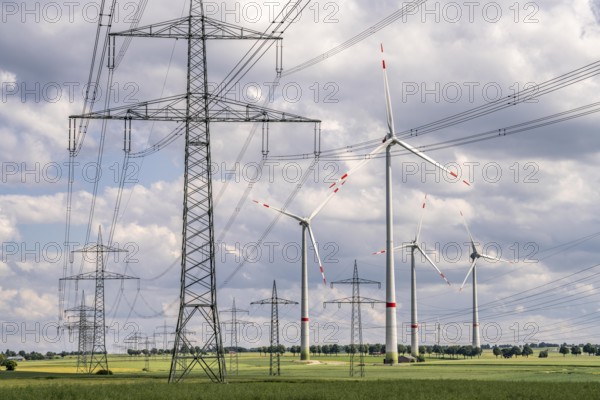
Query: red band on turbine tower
x=390 y=305
x=414 y=326
x=304 y=319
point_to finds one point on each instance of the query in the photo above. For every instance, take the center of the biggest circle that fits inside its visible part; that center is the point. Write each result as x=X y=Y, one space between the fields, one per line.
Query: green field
x=555 y=377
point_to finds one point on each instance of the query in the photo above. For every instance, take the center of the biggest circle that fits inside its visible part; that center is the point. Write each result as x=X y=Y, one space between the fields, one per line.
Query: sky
x=533 y=196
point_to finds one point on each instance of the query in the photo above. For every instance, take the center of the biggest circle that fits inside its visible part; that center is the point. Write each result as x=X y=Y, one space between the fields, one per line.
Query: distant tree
x=335 y=349
x=543 y=354
x=437 y=350
x=527 y=351
x=402 y=349
x=589 y=349
x=376 y=348
x=10 y=365
x=564 y=350
x=507 y=352
x=429 y=350
x=22 y=353
x=422 y=349
x=2 y=359
x=516 y=351
x=575 y=350
x=408 y=349
x=313 y=349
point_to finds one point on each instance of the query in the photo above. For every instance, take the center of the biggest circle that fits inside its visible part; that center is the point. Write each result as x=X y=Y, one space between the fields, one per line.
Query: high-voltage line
x=356 y=342
x=274 y=301
x=98 y=358
x=195 y=110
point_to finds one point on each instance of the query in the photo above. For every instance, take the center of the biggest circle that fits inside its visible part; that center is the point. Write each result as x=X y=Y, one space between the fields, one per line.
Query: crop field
x=555 y=377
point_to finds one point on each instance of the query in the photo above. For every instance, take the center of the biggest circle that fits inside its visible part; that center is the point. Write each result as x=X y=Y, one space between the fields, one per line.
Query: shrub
x=104 y=372
x=10 y=365
x=543 y=354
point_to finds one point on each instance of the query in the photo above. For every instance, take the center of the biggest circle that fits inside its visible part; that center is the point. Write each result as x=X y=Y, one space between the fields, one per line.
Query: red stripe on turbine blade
x=332 y=185
x=381 y=45
x=390 y=305
x=344 y=176
x=453 y=174
x=304 y=319
x=321 y=268
x=466 y=183
x=383 y=63
x=336 y=190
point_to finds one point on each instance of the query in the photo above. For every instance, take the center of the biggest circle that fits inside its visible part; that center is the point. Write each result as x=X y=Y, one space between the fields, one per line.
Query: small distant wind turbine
x=414 y=245
x=305 y=224
x=475 y=255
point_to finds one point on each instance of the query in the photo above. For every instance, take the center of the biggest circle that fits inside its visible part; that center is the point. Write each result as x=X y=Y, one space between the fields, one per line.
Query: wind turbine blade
x=433 y=264
x=421 y=220
x=468 y=273
x=335 y=186
x=491 y=258
x=388 y=99
x=425 y=157
x=469 y=232
x=299 y=219
x=312 y=239
x=403 y=246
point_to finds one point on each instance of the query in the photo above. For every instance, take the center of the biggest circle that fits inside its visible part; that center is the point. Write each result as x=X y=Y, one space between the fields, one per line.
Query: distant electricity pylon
x=233 y=348
x=194 y=111
x=98 y=359
x=85 y=328
x=274 y=301
x=356 y=342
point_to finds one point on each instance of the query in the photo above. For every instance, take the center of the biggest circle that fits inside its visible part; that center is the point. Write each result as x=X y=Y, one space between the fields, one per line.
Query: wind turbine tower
x=414 y=245
x=476 y=255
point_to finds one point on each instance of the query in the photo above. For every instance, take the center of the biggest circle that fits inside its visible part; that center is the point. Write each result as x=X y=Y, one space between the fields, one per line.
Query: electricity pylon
x=195 y=110
x=98 y=359
x=233 y=348
x=84 y=328
x=274 y=301
x=356 y=324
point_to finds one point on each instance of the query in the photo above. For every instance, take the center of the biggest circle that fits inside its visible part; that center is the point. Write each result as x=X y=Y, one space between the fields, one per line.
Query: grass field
x=555 y=377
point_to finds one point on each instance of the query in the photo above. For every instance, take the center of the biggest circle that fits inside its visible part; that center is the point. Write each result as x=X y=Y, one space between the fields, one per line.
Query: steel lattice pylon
x=98 y=359
x=274 y=301
x=84 y=330
x=356 y=342
x=194 y=110
x=233 y=348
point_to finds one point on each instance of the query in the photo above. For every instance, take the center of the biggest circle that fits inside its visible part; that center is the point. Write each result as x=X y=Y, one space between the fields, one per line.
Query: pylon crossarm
x=179 y=29
x=173 y=109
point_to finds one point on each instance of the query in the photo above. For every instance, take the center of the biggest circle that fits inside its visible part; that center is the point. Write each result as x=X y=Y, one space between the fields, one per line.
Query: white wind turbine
x=475 y=255
x=305 y=224
x=391 y=329
x=414 y=245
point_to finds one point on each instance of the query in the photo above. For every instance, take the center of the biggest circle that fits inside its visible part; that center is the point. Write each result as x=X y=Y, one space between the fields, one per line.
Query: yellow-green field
x=325 y=377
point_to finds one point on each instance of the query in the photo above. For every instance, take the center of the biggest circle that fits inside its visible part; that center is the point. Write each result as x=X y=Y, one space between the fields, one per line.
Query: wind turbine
x=475 y=255
x=305 y=224
x=391 y=328
x=414 y=245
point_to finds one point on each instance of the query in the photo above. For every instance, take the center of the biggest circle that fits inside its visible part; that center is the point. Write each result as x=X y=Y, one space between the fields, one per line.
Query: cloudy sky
x=533 y=196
